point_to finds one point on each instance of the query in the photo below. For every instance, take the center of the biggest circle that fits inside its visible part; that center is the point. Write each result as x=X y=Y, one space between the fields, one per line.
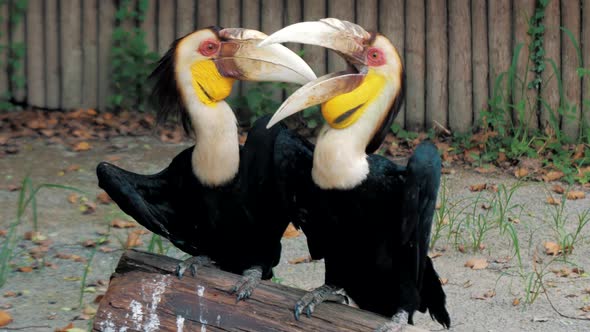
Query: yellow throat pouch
x=208 y=83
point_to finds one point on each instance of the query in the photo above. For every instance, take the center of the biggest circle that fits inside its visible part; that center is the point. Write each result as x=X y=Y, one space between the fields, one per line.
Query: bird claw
x=246 y=285
x=310 y=300
x=192 y=263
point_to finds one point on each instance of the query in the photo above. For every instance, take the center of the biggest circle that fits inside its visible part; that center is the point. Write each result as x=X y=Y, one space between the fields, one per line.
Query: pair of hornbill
x=369 y=218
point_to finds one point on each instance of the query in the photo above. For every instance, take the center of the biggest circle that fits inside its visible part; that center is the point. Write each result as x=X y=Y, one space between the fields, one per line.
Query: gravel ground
x=49 y=296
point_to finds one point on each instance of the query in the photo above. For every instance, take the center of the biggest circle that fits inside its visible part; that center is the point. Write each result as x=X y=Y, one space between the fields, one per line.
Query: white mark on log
x=136 y=313
x=179 y=323
x=203 y=328
x=218 y=320
x=108 y=325
x=123 y=329
x=200 y=290
x=159 y=287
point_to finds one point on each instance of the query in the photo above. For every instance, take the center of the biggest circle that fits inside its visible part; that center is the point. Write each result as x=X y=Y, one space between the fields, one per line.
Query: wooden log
x=185 y=17
x=106 y=17
x=480 y=63
x=315 y=56
x=460 y=72
x=570 y=62
x=586 y=53
x=552 y=46
x=392 y=24
x=523 y=10
x=89 y=51
x=3 y=52
x=437 y=97
x=71 y=53
x=499 y=24
x=415 y=64
x=206 y=13
x=51 y=46
x=344 y=10
x=35 y=54
x=144 y=295
x=149 y=25
x=166 y=26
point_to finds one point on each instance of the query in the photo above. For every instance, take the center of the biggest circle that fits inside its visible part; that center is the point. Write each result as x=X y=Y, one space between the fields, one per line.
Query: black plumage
x=238 y=225
x=375 y=237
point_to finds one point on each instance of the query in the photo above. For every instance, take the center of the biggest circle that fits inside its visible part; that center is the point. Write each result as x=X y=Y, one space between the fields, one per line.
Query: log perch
x=145 y=295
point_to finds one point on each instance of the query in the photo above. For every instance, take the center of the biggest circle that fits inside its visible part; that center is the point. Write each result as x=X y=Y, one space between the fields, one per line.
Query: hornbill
x=369 y=218
x=217 y=200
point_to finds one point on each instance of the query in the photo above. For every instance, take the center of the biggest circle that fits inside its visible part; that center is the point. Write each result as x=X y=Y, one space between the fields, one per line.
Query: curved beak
x=242 y=59
x=347 y=39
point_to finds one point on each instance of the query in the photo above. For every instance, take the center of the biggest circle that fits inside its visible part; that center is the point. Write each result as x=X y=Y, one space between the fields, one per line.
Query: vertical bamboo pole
x=552 y=46
x=392 y=24
x=51 y=45
x=35 y=54
x=437 y=61
x=71 y=53
x=480 y=63
x=89 y=52
x=523 y=9
x=570 y=62
x=415 y=69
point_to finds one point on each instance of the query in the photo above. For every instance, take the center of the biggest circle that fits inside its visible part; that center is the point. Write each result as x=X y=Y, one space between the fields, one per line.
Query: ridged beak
x=242 y=59
x=347 y=39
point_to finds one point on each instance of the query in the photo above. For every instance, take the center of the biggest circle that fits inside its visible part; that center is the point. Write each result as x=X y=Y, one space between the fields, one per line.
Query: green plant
x=15 y=51
x=131 y=60
x=27 y=195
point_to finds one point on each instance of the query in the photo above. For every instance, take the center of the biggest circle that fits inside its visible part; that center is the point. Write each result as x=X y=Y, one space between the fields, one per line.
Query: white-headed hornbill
x=216 y=200
x=369 y=218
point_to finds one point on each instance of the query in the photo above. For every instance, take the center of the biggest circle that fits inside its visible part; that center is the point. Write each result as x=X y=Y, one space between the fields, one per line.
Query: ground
x=492 y=298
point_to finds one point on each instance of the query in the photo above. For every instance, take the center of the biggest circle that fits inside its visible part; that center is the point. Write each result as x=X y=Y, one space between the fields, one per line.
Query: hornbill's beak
x=374 y=69
x=347 y=39
x=240 y=58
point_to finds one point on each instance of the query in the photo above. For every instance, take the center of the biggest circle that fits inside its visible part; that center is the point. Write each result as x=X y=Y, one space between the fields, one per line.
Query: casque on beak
x=347 y=39
x=240 y=58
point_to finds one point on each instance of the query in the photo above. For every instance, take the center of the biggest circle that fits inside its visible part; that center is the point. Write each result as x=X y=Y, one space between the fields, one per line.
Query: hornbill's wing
x=160 y=202
x=293 y=162
x=423 y=174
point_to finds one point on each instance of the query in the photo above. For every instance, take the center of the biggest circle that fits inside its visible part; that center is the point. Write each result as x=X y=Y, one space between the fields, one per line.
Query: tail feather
x=433 y=296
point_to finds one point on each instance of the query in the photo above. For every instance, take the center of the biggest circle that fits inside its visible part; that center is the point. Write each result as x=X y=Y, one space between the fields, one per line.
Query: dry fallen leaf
x=477 y=263
x=477 y=187
x=516 y=301
x=521 y=172
x=444 y=281
x=98 y=298
x=82 y=146
x=299 y=260
x=65 y=328
x=106 y=249
x=552 y=176
x=103 y=198
x=120 y=223
x=63 y=255
x=10 y=294
x=435 y=254
x=291 y=232
x=485 y=170
x=585 y=308
x=73 y=198
x=558 y=189
x=573 y=195
x=89 y=243
x=88 y=208
x=72 y=168
x=3 y=232
x=5 y=318
x=552 y=248
x=552 y=201
x=133 y=240
x=579 y=152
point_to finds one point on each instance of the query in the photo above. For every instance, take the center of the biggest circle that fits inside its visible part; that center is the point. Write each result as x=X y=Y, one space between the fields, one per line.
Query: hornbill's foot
x=193 y=263
x=397 y=323
x=246 y=285
x=324 y=293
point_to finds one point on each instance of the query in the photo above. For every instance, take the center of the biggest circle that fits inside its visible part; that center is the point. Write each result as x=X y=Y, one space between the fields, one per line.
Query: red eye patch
x=209 y=47
x=375 y=57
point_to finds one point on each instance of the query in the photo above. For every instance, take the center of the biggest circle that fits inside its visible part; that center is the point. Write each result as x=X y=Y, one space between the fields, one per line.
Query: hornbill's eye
x=375 y=57
x=208 y=47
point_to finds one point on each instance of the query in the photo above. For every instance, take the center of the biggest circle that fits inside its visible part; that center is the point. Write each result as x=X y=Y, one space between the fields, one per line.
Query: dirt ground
x=489 y=299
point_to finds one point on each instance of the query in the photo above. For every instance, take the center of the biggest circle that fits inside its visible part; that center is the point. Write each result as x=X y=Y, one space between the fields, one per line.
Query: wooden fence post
x=437 y=62
x=70 y=53
x=415 y=64
x=90 y=53
x=106 y=24
x=35 y=54
x=480 y=60
x=570 y=62
x=460 y=70
x=552 y=45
